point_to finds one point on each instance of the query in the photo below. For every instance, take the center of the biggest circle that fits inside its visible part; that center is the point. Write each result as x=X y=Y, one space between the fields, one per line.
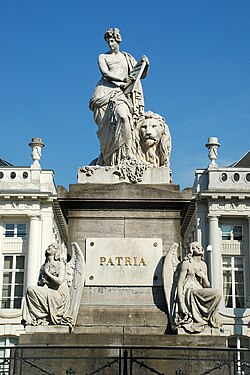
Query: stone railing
x=25 y=179
x=14 y=245
x=15 y=174
x=232 y=247
x=229 y=178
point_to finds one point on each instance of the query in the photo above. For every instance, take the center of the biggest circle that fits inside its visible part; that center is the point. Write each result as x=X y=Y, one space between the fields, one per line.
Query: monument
x=125 y=213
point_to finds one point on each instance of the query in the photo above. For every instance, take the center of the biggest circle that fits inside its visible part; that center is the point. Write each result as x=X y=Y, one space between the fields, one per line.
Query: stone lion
x=154 y=139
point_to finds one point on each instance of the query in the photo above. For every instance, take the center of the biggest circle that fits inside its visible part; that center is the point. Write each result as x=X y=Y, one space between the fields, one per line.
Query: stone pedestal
x=122 y=354
x=124 y=230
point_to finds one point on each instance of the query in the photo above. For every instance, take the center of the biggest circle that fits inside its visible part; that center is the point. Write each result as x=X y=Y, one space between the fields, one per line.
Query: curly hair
x=113 y=33
x=59 y=254
x=190 y=251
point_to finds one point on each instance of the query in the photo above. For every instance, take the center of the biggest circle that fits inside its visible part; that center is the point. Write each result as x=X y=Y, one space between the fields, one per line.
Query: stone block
x=124 y=352
x=112 y=175
x=123 y=212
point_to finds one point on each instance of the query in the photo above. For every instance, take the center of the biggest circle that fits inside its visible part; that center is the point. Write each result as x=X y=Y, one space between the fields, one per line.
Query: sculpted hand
x=199 y=273
x=129 y=79
x=45 y=281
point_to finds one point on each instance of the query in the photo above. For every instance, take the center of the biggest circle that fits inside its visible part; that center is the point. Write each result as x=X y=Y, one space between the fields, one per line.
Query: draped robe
x=107 y=99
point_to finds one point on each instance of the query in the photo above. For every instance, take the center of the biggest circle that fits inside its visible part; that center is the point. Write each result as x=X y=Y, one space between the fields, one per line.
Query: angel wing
x=75 y=279
x=170 y=276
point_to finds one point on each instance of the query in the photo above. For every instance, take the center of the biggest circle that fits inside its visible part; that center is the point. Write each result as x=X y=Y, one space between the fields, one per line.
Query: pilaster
x=216 y=263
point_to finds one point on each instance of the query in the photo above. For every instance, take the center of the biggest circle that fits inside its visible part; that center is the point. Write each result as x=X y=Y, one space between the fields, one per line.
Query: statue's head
x=155 y=138
x=195 y=249
x=56 y=250
x=113 y=33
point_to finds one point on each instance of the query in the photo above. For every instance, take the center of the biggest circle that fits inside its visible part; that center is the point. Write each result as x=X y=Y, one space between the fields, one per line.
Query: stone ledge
x=120 y=330
x=46 y=329
x=123 y=338
x=208 y=331
x=114 y=175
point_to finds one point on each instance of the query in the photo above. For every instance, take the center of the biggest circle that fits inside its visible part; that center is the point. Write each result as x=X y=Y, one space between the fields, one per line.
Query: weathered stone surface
x=114 y=174
x=85 y=353
x=124 y=211
x=106 y=318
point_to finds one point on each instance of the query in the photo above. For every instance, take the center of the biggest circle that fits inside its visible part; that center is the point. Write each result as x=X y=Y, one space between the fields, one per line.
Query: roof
x=4 y=163
x=244 y=162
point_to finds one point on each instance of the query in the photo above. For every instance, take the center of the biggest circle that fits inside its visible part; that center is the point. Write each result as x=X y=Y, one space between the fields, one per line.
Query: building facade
x=219 y=219
x=30 y=220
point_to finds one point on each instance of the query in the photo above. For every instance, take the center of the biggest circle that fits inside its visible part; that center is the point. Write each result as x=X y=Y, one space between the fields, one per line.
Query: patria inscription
x=123 y=261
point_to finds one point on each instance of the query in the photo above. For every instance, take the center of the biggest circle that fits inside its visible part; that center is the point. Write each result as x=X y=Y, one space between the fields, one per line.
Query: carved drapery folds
x=127 y=134
x=56 y=297
x=192 y=304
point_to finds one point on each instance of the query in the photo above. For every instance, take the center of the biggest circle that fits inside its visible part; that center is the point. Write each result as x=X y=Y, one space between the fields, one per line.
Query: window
x=233 y=281
x=232 y=232
x=12 y=281
x=5 y=354
x=15 y=230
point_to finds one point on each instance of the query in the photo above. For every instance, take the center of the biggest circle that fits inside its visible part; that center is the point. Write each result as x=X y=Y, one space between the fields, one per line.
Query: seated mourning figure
x=192 y=304
x=56 y=298
x=154 y=140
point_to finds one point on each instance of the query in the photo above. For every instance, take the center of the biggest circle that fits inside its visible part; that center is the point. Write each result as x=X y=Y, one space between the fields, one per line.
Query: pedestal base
x=124 y=231
x=124 y=354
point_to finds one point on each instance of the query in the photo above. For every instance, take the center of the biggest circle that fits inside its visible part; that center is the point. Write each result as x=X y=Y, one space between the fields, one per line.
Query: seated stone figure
x=194 y=304
x=56 y=298
x=155 y=140
x=117 y=100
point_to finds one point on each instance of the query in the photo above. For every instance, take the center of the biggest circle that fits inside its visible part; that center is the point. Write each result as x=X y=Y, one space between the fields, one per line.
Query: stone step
x=121 y=316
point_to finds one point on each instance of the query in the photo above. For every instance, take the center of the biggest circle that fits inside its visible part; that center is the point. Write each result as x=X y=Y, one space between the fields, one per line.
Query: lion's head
x=155 y=139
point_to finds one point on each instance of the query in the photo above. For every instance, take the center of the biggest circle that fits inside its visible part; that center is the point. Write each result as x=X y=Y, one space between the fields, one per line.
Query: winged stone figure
x=55 y=300
x=192 y=304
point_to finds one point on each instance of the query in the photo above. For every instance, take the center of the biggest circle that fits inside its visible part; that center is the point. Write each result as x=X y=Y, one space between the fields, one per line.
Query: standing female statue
x=117 y=100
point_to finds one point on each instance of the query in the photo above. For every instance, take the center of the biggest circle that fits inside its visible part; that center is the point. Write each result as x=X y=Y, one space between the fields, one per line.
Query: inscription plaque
x=123 y=261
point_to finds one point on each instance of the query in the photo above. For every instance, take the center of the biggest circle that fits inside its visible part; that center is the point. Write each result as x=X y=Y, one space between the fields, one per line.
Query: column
x=48 y=235
x=202 y=229
x=33 y=255
x=216 y=261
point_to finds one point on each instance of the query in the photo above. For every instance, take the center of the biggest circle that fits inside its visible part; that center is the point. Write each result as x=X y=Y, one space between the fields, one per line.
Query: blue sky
x=199 y=52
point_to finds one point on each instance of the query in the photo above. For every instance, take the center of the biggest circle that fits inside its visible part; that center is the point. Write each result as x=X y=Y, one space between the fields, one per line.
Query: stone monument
x=126 y=214
x=193 y=306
